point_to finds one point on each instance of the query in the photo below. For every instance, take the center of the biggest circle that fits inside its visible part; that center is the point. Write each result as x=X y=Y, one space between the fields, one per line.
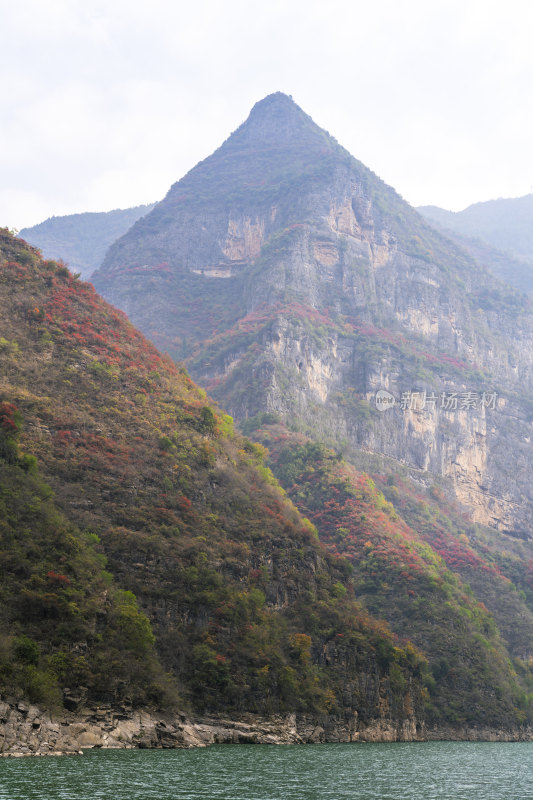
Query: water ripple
x=400 y=771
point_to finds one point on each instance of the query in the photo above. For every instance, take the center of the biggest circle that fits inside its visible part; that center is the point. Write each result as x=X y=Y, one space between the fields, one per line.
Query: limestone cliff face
x=458 y=428
x=27 y=730
x=295 y=281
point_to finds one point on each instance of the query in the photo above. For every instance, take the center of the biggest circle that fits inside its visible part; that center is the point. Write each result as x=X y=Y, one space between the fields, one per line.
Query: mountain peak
x=277 y=120
x=276 y=100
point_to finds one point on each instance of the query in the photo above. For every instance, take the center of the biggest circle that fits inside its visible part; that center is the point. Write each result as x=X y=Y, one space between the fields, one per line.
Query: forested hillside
x=209 y=569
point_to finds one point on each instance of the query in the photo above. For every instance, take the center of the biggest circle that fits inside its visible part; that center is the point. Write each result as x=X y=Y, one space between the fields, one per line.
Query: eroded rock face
x=298 y=282
x=31 y=731
x=34 y=731
x=438 y=426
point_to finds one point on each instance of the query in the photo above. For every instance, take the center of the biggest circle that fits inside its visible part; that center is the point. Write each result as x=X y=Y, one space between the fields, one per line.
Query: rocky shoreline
x=27 y=730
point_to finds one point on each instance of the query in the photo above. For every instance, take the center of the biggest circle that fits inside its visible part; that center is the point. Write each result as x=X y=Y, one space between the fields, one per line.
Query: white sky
x=105 y=104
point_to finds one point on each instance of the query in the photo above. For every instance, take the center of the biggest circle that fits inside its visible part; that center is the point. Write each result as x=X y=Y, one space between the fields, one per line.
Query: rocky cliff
x=294 y=281
x=27 y=730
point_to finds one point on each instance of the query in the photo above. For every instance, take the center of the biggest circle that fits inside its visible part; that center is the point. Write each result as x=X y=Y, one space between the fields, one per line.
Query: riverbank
x=27 y=730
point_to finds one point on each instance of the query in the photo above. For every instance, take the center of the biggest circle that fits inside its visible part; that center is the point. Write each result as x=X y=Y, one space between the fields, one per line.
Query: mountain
x=503 y=224
x=307 y=296
x=387 y=371
x=420 y=564
x=508 y=268
x=63 y=621
x=293 y=280
x=82 y=239
x=149 y=558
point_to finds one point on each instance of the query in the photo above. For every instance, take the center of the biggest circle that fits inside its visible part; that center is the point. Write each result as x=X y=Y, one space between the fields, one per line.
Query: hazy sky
x=105 y=104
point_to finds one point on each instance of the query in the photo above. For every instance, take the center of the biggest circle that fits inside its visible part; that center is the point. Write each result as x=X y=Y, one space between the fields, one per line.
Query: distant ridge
x=81 y=240
x=505 y=224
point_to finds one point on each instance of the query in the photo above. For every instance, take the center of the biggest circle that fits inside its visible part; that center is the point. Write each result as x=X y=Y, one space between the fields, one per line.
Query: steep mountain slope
x=243 y=607
x=247 y=611
x=82 y=239
x=63 y=623
x=435 y=579
x=293 y=280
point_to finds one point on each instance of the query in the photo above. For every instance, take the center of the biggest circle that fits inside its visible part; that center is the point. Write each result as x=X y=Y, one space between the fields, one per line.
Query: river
x=398 y=771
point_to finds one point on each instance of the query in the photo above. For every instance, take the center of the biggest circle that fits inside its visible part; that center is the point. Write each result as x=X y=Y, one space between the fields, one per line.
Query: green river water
x=399 y=771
